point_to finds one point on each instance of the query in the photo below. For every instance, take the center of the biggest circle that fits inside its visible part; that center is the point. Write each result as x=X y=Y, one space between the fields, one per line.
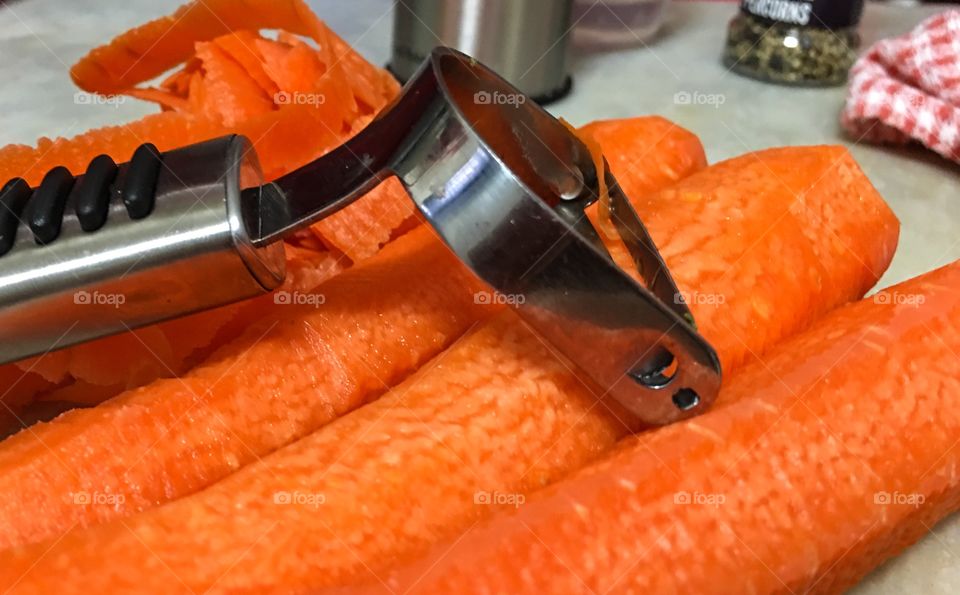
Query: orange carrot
x=154 y=48
x=17 y=388
x=633 y=149
x=242 y=47
x=317 y=356
x=819 y=464
x=633 y=145
x=371 y=223
x=496 y=416
x=630 y=143
x=234 y=96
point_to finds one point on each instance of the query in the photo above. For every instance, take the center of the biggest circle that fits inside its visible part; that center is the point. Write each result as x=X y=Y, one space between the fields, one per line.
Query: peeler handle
x=123 y=246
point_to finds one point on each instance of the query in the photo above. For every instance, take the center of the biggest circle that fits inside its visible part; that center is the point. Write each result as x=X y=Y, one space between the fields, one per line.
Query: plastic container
x=616 y=23
x=794 y=42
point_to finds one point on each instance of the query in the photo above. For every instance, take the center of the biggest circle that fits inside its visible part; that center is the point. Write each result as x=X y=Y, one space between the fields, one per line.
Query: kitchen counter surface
x=40 y=39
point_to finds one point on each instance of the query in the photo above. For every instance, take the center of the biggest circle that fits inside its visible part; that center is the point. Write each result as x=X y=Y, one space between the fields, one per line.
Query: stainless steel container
x=525 y=41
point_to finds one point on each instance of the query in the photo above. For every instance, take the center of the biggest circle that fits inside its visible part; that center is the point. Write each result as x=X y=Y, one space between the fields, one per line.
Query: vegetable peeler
x=502 y=182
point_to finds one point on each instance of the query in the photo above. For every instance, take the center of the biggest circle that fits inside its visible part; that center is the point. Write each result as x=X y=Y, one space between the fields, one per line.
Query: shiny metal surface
x=525 y=41
x=506 y=211
x=505 y=185
x=191 y=253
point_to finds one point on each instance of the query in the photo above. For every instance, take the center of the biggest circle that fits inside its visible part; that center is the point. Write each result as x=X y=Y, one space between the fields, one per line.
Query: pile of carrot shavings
x=295 y=95
x=243 y=74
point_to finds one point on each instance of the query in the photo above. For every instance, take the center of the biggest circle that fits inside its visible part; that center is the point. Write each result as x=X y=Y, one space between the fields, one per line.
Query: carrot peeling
x=292 y=100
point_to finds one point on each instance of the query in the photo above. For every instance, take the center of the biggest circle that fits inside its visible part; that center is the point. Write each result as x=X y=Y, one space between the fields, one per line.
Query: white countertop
x=40 y=39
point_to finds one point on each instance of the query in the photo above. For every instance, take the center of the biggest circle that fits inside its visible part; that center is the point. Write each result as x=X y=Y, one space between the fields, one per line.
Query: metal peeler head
x=505 y=185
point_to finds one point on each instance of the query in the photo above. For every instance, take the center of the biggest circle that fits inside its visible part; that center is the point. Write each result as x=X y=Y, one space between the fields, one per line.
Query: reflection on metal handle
x=190 y=253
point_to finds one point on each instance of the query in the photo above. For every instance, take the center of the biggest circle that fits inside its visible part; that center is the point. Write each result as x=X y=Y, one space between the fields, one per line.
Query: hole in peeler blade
x=657 y=370
x=570 y=186
x=686 y=399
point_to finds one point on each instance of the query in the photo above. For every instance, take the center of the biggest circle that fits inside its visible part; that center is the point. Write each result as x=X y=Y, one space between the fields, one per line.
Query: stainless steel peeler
x=500 y=180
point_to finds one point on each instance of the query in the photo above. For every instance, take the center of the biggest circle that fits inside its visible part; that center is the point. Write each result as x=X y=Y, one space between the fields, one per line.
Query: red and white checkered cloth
x=908 y=88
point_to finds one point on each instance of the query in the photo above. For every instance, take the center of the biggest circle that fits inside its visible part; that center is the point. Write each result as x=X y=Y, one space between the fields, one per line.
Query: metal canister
x=525 y=41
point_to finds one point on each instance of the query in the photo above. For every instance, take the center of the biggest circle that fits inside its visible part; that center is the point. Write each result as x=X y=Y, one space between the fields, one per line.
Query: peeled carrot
x=497 y=415
x=293 y=371
x=812 y=205
x=634 y=141
x=820 y=464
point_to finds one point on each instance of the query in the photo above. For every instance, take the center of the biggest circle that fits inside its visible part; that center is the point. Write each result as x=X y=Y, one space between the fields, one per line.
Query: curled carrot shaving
x=150 y=50
x=294 y=97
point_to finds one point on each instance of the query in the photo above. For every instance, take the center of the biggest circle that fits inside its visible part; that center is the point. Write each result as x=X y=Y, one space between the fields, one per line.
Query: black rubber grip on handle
x=92 y=194
x=13 y=199
x=48 y=203
x=140 y=186
x=43 y=208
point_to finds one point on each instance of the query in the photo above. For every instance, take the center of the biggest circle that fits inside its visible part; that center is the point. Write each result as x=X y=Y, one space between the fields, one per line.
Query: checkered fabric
x=908 y=88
